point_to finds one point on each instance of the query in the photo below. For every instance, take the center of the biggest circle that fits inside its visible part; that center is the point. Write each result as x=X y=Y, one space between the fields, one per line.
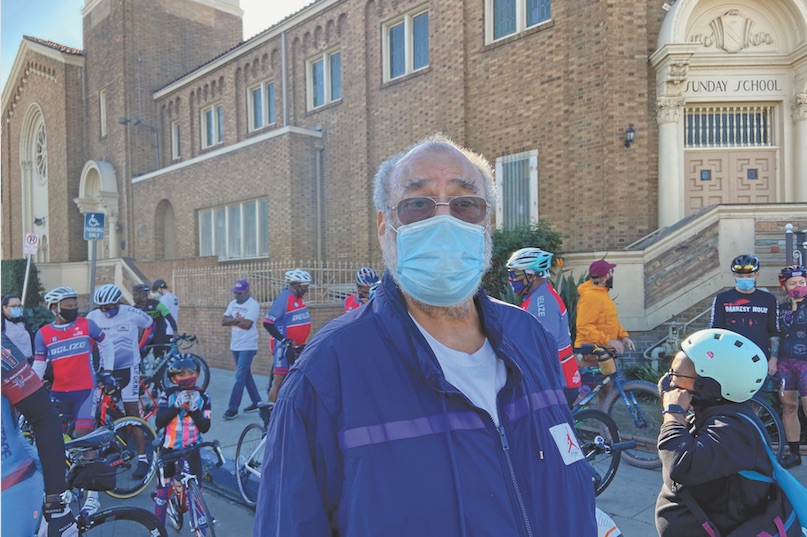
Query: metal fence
x=210 y=286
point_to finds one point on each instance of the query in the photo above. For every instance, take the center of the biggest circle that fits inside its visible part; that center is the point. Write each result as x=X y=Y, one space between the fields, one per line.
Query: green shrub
x=14 y=277
x=566 y=287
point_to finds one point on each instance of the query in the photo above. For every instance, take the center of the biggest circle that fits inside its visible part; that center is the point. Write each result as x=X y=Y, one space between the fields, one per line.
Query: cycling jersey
x=172 y=303
x=69 y=349
x=753 y=315
x=124 y=329
x=289 y=315
x=181 y=426
x=353 y=301
x=161 y=316
x=547 y=306
x=794 y=330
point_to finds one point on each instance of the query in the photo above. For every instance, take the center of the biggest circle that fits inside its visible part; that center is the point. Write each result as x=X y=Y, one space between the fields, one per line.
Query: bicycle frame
x=618 y=380
x=259 y=449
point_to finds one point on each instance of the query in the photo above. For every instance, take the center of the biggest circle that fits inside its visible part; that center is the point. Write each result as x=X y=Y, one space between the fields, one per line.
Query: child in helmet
x=183 y=414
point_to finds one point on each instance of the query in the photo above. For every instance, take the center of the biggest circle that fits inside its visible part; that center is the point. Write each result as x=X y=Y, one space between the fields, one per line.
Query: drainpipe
x=320 y=148
x=283 y=74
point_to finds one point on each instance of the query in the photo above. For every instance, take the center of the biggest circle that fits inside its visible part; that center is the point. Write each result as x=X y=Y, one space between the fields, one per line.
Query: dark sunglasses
x=471 y=209
x=674 y=374
x=107 y=307
x=744 y=268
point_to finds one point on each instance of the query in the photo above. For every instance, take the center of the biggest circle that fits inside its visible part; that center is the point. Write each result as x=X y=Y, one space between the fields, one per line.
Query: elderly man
x=432 y=410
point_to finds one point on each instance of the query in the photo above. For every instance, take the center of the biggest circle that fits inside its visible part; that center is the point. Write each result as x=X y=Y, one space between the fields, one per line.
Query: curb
x=222 y=479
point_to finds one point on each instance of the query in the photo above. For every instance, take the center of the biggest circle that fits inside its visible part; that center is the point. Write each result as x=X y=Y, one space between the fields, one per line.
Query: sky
x=60 y=21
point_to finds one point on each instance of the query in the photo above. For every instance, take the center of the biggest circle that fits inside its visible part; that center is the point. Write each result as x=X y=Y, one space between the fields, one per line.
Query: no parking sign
x=30 y=244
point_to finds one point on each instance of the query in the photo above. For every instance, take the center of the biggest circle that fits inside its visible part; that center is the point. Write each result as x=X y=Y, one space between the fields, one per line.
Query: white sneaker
x=91 y=506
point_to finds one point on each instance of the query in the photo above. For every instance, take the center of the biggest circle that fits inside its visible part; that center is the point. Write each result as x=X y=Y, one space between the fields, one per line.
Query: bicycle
x=249 y=455
x=769 y=416
x=634 y=405
x=186 y=494
x=600 y=443
x=94 y=460
x=154 y=369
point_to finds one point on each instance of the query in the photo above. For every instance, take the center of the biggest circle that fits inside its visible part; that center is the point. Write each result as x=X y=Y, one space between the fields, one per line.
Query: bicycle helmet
x=367 y=276
x=107 y=294
x=745 y=264
x=183 y=363
x=60 y=293
x=140 y=288
x=298 y=276
x=791 y=272
x=729 y=365
x=531 y=260
x=158 y=284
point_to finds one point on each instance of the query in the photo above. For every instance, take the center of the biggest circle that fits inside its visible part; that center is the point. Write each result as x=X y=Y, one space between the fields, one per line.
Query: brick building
x=195 y=143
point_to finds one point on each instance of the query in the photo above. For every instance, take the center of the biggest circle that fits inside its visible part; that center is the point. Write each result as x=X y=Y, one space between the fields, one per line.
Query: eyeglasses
x=107 y=307
x=674 y=374
x=744 y=268
x=471 y=209
x=513 y=276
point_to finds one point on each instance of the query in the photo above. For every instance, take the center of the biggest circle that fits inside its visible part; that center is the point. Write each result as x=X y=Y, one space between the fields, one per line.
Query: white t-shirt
x=240 y=339
x=124 y=331
x=172 y=303
x=479 y=376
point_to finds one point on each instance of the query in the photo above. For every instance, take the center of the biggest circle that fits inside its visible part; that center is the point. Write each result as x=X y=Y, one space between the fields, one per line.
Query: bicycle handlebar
x=593 y=348
x=175 y=455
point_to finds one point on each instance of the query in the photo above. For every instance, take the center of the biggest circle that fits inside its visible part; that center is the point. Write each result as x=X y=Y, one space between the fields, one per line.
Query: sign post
x=93 y=231
x=30 y=245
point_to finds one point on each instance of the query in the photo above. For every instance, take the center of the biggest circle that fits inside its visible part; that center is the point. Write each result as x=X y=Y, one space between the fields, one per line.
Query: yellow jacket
x=597 y=318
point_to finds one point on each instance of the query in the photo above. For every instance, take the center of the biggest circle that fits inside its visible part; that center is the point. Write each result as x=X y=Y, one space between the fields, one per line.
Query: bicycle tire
x=640 y=422
x=126 y=485
x=773 y=424
x=123 y=521
x=197 y=502
x=250 y=440
x=590 y=426
x=173 y=512
x=204 y=372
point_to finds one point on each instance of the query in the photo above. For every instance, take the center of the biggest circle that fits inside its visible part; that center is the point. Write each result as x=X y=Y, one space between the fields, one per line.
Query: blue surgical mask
x=111 y=312
x=15 y=312
x=745 y=284
x=518 y=287
x=440 y=260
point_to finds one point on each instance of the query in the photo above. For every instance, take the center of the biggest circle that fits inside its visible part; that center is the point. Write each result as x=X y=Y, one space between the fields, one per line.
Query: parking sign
x=93 y=226
x=30 y=244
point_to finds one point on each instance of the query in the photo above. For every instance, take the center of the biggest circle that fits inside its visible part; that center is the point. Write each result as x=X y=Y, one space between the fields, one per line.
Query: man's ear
x=381 y=225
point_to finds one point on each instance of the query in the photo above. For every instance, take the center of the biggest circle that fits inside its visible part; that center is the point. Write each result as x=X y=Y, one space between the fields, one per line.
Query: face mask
x=68 y=315
x=242 y=298
x=186 y=383
x=744 y=284
x=609 y=283
x=518 y=287
x=111 y=312
x=301 y=291
x=440 y=260
x=797 y=292
x=15 y=312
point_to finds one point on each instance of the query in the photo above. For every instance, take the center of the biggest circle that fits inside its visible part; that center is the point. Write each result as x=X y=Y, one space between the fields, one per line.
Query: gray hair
x=435 y=142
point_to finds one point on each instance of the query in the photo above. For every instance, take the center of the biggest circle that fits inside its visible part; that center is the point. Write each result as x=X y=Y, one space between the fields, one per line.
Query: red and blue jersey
x=354 y=302
x=69 y=349
x=290 y=316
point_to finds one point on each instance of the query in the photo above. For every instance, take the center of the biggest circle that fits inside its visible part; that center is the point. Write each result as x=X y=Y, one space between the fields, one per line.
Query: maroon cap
x=600 y=268
x=241 y=286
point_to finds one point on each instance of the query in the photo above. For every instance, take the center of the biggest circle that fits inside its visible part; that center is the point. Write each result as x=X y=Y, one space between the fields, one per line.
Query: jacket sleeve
x=166 y=412
x=587 y=331
x=717 y=315
x=723 y=446
x=302 y=472
x=202 y=416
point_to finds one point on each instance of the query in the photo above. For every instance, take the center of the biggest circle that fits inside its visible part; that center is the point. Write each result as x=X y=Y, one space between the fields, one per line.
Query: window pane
x=208 y=127
x=538 y=11
x=206 y=233
x=420 y=40
x=263 y=227
x=270 y=102
x=250 y=230
x=504 y=18
x=336 y=76
x=257 y=108
x=516 y=193
x=221 y=232
x=318 y=83
x=220 y=123
x=235 y=231
x=397 y=51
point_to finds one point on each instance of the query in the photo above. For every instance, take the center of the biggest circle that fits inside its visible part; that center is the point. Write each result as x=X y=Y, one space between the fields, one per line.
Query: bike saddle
x=97 y=438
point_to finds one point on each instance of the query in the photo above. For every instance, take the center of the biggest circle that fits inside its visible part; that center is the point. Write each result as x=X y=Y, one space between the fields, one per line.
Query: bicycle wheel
x=120 y=521
x=173 y=512
x=773 y=424
x=130 y=431
x=248 y=462
x=638 y=417
x=596 y=433
x=204 y=371
x=201 y=512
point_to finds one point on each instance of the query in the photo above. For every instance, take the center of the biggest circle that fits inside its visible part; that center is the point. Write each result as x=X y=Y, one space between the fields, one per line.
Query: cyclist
x=289 y=323
x=792 y=364
x=183 y=414
x=164 y=295
x=159 y=313
x=597 y=318
x=529 y=277
x=123 y=325
x=67 y=345
x=749 y=311
x=366 y=277
x=22 y=483
x=16 y=325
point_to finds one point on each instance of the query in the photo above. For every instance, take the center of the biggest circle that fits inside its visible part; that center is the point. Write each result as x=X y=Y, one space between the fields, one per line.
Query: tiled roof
x=55 y=46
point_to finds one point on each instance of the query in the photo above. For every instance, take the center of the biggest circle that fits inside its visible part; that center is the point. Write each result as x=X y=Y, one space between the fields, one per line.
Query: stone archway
x=718 y=56
x=34 y=177
x=98 y=192
x=165 y=231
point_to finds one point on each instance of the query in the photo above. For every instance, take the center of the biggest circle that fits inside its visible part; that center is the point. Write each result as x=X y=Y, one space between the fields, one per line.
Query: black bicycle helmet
x=790 y=272
x=183 y=362
x=158 y=284
x=745 y=264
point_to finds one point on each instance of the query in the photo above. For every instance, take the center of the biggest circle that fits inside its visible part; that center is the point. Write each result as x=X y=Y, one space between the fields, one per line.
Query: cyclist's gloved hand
x=194 y=400
x=106 y=380
x=287 y=342
x=181 y=400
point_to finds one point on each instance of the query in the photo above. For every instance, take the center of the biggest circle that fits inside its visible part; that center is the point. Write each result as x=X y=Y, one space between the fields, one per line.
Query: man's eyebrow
x=416 y=183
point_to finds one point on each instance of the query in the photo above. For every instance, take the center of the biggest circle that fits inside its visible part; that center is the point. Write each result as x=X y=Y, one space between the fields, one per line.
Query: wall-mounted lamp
x=630 y=134
x=40 y=221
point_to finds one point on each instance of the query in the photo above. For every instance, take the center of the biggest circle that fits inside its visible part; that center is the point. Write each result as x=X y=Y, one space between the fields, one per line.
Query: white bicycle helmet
x=60 y=293
x=531 y=260
x=367 y=276
x=735 y=362
x=298 y=276
x=107 y=294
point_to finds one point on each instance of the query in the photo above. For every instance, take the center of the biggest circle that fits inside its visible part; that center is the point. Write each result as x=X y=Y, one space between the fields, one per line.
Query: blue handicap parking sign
x=93 y=226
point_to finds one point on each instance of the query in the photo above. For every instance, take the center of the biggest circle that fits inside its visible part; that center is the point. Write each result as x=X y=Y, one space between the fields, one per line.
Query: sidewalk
x=630 y=499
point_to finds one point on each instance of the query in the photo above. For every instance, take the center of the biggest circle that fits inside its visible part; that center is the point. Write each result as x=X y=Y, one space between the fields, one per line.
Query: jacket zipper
x=506 y=449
